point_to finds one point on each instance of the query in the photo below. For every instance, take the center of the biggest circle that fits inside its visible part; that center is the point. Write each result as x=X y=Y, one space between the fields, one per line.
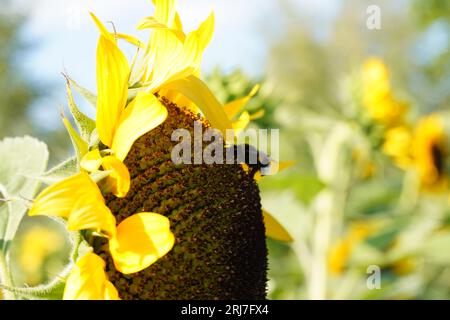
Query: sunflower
x=341 y=252
x=398 y=145
x=131 y=204
x=430 y=153
x=378 y=98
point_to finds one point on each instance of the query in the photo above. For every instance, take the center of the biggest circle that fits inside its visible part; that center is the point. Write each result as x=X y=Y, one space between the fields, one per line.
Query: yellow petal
x=205 y=32
x=119 y=179
x=111 y=292
x=173 y=59
x=197 y=91
x=257 y=115
x=130 y=39
x=92 y=161
x=91 y=213
x=275 y=167
x=150 y=23
x=88 y=281
x=179 y=100
x=165 y=11
x=58 y=199
x=283 y=165
x=113 y=72
x=104 y=32
x=140 y=241
x=78 y=199
x=275 y=230
x=241 y=123
x=178 y=25
x=143 y=114
x=232 y=108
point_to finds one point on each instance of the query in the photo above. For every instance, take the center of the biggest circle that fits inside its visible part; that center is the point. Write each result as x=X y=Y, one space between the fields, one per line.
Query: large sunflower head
x=155 y=228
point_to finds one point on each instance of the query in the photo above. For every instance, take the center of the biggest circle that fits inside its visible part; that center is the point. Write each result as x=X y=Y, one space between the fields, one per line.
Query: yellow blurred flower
x=367 y=168
x=405 y=266
x=341 y=252
x=398 y=145
x=378 y=98
x=430 y=153
x=37 y=244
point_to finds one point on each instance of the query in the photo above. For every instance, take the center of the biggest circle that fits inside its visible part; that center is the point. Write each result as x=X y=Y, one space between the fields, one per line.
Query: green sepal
x=81 y=146
x=88 y=95
x=94 y=139
x=85 y=124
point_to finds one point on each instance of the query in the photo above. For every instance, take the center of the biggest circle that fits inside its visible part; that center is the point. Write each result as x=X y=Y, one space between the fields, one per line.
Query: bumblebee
x=252 y=157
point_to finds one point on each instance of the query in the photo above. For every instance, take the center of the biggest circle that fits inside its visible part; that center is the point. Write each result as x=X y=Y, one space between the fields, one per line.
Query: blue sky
x=64 y=36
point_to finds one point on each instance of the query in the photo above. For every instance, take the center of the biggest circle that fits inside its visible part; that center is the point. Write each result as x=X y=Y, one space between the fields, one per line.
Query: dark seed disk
x=215 y=213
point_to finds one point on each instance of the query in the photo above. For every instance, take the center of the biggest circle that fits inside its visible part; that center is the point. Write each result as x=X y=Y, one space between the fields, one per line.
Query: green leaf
x=51 y=291
x=81 y=146
x=88 y=95
x=20 y=158
x=61 y=171
x=85 y=124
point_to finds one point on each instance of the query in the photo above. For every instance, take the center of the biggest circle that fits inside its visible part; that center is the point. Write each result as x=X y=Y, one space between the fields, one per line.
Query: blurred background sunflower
x=364 y=113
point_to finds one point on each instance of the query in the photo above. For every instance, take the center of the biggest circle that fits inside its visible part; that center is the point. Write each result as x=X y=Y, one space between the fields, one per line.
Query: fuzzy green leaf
x=20 y=158
x=61 y=171
x=51 y=291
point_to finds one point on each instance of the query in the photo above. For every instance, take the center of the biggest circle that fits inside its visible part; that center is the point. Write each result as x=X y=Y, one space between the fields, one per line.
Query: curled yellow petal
x=274 y=229
x=58 y=199
x=88 y=281
x=196 y=90
x=113 y=72
x=140 y=241
x=143 y=114
x=119 y=179
x=92 y=161
x=91 y=213
x=78 y=199
x=232 y=108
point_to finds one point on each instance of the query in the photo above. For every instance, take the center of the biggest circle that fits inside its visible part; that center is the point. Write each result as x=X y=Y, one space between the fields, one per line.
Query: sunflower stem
x=5 y=277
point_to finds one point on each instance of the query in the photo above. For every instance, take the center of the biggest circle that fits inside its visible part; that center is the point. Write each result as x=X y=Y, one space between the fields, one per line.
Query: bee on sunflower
x=145 y=227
